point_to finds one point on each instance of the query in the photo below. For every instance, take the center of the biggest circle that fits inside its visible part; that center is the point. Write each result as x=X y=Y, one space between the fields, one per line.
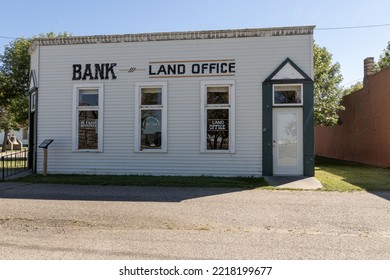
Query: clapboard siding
x=34 y=64
x=256 y=58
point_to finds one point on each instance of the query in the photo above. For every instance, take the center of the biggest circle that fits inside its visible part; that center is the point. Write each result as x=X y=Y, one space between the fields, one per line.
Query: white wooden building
x=219 y=103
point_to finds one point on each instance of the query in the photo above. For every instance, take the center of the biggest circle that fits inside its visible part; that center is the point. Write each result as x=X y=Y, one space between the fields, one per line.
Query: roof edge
x=171 y=36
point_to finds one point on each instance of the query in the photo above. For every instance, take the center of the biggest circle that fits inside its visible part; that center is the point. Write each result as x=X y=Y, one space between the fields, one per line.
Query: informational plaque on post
x=45 y=143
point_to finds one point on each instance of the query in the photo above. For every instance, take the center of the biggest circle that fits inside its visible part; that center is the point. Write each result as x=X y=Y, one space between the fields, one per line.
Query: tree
x=327 y=90
x=384 y=59
x=14 y=83
x=353 y=88
x=14 y=79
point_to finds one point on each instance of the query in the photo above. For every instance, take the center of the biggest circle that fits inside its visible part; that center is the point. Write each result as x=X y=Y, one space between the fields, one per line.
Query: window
x=287 y=95
x=25 y=134
x=88 y=118
x=217 y=116
x=151 y=117
x=33 y=101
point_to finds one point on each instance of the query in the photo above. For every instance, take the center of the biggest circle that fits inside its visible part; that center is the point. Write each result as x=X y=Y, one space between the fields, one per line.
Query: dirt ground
x=104 y=222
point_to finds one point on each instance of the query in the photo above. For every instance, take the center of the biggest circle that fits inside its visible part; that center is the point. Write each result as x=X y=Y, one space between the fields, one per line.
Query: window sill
x=87 y=151
x=148 y=151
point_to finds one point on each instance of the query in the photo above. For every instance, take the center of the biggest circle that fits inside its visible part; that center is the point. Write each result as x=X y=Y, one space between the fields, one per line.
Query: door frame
x=299 y=77
x=32 y=119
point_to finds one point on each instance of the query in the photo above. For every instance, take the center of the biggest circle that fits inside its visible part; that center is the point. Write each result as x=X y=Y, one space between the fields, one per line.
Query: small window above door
x=287 y=95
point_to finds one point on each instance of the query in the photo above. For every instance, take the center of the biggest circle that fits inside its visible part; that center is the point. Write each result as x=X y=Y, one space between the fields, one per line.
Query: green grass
x=337 y=175
x=159 y=181
x=13 y=164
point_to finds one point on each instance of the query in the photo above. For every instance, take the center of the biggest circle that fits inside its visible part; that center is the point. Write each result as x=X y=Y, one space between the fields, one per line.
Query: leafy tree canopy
x=327 y=90
x=14 y=83
x=14 y=79
x=384 y=59
x=353 y=88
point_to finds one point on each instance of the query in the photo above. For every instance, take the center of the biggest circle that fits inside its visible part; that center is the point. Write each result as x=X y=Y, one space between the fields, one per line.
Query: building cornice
x=172 y=36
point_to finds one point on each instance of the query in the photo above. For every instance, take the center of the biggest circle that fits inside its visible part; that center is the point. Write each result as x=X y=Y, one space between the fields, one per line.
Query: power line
x=354 y=81
x=353 y=27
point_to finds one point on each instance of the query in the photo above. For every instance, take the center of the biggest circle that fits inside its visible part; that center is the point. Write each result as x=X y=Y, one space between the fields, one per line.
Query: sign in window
x=88 y=130
x=217 y=129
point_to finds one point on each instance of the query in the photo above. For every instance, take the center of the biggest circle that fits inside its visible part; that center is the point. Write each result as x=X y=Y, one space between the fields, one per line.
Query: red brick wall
x=364 y=135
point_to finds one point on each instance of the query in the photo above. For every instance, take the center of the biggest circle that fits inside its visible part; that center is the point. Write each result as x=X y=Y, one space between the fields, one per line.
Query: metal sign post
x=44 y=145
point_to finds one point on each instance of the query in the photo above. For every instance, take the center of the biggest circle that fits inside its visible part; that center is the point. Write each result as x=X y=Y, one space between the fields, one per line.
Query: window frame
x=33 y=101
x=77 y=109
x=138 y=110
x=286 y=104
x=204 y=107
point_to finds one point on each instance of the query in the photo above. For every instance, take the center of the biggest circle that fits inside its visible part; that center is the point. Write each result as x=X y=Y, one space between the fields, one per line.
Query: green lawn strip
x=12 y=164
x=158 y=181
x=337 y=175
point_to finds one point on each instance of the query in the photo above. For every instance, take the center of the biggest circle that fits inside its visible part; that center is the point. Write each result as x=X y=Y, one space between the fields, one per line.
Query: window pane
x=88 y=97
x=287 y=139
x=150 y=129
x=33 y=101
x=287 y=95
x=218 y=129
x=151 y=96
x=88 y=129
x=218 y=95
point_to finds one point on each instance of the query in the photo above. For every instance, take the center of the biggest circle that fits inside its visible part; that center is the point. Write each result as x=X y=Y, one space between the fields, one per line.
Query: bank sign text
x=97 y=71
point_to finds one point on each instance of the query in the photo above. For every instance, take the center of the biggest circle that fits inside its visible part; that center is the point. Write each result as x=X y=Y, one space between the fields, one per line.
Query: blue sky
x=22 y=18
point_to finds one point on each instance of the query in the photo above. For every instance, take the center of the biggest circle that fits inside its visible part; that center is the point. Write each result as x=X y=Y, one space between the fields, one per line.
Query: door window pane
x=218 y=129
x=287 y=139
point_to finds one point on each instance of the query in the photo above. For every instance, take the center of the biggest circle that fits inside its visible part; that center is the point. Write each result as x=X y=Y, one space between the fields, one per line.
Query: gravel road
x=106 y=222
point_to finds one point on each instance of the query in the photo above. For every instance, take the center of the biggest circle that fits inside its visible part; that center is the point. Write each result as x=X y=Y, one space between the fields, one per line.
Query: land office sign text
x=192 y=68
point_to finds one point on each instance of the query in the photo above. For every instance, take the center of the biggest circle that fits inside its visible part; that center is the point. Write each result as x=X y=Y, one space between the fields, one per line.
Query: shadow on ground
x=294 y=182
x=106 y=193
x=382 y=194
